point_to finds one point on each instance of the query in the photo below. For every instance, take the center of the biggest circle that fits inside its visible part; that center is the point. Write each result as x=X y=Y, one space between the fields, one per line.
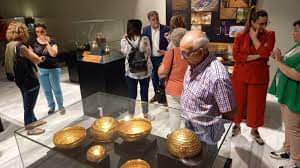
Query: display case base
x=140 y=147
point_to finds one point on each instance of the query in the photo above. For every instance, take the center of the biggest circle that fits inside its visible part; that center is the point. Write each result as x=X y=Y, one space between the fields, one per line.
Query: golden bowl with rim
x=134 y=129
x=183 y=143
x=104 y=129
x=136 y=163
x=69 y=137
x=96 y=153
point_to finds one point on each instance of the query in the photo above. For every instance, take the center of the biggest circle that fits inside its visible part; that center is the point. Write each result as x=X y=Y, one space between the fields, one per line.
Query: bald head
x=194 y=39
x=193 y=47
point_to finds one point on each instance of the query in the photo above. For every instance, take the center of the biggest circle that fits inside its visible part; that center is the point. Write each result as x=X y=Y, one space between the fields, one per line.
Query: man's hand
x=161 y=52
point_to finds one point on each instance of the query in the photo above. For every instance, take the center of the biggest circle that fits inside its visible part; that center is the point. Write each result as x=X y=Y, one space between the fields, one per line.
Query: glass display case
x=153 y=145
x=98 y=40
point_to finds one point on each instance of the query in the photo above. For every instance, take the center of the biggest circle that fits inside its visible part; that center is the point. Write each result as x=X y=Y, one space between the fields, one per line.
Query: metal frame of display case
x=40 y=151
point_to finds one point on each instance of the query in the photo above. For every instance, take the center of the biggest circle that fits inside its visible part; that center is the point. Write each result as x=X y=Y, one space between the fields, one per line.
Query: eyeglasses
x=186 y=54
x=40 y=31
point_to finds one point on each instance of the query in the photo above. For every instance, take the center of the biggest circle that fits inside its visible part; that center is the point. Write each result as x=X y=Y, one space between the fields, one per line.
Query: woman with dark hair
x=250 y=78
x=138 y=66
x=49 y=70
x=286 y=87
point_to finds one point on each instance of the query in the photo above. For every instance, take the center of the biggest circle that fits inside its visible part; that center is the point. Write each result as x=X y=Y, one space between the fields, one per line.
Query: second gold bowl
x=134 y=129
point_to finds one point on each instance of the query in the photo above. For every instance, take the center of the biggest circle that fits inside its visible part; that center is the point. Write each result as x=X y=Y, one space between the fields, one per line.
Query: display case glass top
x=152 y=148
x=98 y=39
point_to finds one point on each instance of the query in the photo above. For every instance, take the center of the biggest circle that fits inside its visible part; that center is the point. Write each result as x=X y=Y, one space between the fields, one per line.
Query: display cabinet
x=134 y=130
x=99 y=63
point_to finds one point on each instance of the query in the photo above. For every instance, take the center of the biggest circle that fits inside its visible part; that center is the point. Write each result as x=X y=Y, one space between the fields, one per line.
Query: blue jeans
x=50 y=81
x=29 y=101
x=156 y=61
x=132 y=92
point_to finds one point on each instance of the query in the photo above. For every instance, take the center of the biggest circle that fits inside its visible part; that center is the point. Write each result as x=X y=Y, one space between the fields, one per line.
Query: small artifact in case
x=96 y=153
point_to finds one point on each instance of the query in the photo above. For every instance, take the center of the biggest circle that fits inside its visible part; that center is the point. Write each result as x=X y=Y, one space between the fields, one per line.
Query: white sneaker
x=280 y=154
x=291 y=164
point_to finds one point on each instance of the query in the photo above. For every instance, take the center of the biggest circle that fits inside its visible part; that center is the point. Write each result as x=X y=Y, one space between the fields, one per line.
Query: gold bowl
x=104 y=129
x=183 y=143
x=134 y=129
x=136 y=163
x=69 y=137
x=96 y=153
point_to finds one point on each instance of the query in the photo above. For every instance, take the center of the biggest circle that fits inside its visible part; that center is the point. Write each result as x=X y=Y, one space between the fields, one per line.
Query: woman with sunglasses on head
x=25 y=73
x=250 y=78
x=49 y=70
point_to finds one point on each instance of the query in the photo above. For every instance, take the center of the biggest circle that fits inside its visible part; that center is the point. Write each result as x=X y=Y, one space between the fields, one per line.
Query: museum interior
x=150 y=84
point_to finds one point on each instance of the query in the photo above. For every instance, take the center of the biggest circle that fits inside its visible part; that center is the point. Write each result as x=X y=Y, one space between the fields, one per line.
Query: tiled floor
x=244 y=152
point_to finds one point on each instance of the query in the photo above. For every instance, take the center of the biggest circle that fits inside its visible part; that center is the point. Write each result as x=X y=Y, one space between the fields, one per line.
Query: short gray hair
x=177 y=35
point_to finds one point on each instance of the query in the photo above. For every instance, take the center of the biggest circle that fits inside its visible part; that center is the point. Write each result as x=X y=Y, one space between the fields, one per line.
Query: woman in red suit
x=251 y=51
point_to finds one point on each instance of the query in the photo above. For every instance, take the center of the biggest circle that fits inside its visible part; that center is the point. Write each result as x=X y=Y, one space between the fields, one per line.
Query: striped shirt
x=207 y=91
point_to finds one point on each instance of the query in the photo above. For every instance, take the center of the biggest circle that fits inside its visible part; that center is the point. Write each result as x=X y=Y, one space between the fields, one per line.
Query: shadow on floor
x=273 y=118
x=9 y=130
x=250 y=158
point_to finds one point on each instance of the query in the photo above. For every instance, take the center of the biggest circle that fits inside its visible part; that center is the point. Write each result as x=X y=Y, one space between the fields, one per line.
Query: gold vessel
x=69 y=137
x=134 y=129
x=136 y=163
x=104 y=129
x=183 y=143
x=96 y=153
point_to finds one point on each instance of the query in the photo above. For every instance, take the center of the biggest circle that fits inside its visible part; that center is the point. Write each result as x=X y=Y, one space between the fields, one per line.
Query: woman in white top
x=138 y=66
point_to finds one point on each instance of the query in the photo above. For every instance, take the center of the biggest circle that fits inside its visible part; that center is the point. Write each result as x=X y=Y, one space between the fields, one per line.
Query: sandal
x=236 y=130
x=257 y=138
x=35 y=124
x=35 y=131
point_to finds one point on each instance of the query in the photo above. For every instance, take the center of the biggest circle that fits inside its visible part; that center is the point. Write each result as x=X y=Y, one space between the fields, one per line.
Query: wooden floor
x=244 y=152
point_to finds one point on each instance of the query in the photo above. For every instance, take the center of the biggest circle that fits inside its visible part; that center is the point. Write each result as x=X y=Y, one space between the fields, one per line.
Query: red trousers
x=251 y=103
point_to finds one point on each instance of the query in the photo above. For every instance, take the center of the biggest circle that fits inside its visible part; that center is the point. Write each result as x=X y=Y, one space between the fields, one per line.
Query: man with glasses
x=207 y=92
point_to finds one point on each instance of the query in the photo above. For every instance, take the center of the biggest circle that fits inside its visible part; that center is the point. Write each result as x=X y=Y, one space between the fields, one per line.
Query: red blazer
x=256 y=71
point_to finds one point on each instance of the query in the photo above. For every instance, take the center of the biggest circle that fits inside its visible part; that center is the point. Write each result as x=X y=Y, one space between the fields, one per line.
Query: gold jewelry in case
x=69 y=137
x=104 y=129
x=96 y=153
x=134 y=129
x=136 y=163
x=183 y=143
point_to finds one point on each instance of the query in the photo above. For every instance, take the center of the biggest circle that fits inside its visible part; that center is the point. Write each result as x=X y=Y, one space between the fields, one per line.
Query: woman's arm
x=125 y=47
x=165 y=67
x=287 y=71
x=236 y=48
x=264 y=49
x=52 y=49
x=27 y=53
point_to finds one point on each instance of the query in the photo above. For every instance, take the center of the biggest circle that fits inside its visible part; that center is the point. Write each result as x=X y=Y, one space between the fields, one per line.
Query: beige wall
x=282 y=15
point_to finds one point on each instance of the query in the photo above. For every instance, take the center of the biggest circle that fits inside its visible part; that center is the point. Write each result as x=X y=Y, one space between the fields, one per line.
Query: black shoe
x=51 y=112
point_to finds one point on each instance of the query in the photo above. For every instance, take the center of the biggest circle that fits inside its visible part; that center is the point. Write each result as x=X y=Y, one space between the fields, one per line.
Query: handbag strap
x=173 y=51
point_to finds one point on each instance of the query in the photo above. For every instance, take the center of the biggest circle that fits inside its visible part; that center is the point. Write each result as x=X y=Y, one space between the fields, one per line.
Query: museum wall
x=60 y=13
x=282 y=15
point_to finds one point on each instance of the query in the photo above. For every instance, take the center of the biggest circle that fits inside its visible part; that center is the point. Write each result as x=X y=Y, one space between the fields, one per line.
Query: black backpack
x=25 y=71
x=136 y=59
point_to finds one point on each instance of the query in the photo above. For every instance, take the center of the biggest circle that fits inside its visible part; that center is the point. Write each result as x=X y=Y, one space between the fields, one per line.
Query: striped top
x=207 y=91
